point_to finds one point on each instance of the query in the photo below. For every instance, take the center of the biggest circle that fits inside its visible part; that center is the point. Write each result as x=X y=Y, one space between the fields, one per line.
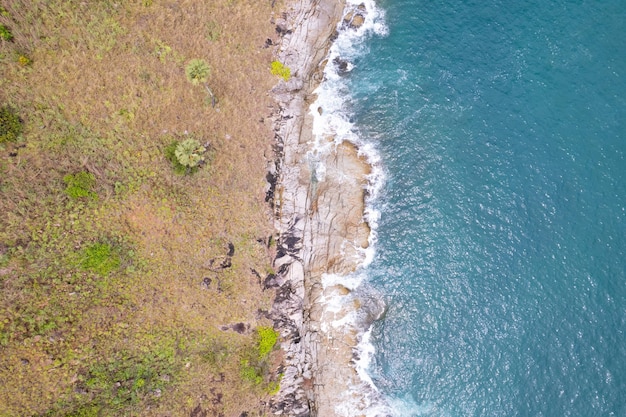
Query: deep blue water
x=502 y=238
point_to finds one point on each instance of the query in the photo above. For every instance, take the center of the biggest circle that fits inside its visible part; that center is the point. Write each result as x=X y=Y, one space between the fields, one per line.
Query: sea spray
x=355 y=311
x=331 y=111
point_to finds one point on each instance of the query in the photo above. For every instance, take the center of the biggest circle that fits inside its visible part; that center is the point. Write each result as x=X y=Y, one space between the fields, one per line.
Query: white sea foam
x=331 y=114
x=366 y=351
x=351 y=282
x=331 y=109
x=332 y=125
x=331 y=118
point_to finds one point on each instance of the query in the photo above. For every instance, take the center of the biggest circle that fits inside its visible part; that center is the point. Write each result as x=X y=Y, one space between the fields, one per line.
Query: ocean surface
x=500 y=130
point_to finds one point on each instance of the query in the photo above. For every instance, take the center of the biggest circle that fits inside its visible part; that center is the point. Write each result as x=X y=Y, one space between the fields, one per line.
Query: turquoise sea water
x=501 y=248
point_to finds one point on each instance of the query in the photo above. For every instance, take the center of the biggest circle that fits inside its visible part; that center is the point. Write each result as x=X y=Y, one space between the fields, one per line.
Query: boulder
x=357 y=21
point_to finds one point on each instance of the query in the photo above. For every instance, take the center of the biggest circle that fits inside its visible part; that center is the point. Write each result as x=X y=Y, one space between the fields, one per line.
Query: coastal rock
x=342 y=65
x=271 y=281
x=282 y=27
x=355 y=18
x=321 y=229
x=348 y=18
x=294 y=84
x=357 y=21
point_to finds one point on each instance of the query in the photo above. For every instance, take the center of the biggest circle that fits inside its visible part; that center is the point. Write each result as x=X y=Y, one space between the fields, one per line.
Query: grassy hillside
x=128 y=289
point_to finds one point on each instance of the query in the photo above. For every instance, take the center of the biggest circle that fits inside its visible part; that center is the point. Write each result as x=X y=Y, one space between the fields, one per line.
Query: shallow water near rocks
x=501 y=243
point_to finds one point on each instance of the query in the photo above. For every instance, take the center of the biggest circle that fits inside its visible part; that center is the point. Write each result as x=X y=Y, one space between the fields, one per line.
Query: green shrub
x=10 y=124
x=189 y=153
x=125 y=379
x=186 y=156
x=274 y=386
x=267 y=338
x=258 y=373
x=5 y=33
x=170 y=155
x=278 y=68
x=197 y=71
x=99 y=258
x=80 y=185
x=24 y=61
x=255 y=362
x=252 y=372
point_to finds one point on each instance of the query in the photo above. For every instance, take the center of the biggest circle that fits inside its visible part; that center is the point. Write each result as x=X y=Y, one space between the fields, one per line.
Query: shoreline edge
x=322 y=232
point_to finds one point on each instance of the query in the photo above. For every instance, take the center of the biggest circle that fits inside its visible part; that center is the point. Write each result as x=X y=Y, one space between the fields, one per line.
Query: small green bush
x=197 y=71
x=24 y=60
x=190 y=153
x=10 y=124
x=5 y=33
x=255 y=363
x=80 y=185
x=274 y=386
x=186 y=156
x=267 y=338
x=170 y=155
x=99 y=258
x=278 y=68
x=252 y=372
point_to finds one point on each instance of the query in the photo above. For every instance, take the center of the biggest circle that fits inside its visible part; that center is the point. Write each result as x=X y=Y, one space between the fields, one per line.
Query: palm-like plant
x=198 y=71
x=190 y=153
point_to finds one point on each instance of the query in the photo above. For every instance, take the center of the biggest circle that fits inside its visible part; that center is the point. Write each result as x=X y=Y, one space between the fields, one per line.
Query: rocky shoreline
x=322 y=231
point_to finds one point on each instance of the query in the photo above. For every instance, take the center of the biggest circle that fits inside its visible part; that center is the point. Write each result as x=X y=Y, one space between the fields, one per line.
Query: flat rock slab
x=322 y=228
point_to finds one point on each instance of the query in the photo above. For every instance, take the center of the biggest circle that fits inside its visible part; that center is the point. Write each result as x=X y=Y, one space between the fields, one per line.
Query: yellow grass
x=104 y=93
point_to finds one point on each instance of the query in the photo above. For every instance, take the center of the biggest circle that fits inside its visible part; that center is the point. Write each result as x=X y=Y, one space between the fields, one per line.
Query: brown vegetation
x=113 y=303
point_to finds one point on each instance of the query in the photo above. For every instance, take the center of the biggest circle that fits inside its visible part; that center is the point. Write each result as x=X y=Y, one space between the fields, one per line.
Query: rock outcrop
x=322 y=229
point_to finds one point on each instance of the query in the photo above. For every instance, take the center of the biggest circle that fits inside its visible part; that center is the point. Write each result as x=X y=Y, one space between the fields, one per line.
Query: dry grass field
x=115 y=295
